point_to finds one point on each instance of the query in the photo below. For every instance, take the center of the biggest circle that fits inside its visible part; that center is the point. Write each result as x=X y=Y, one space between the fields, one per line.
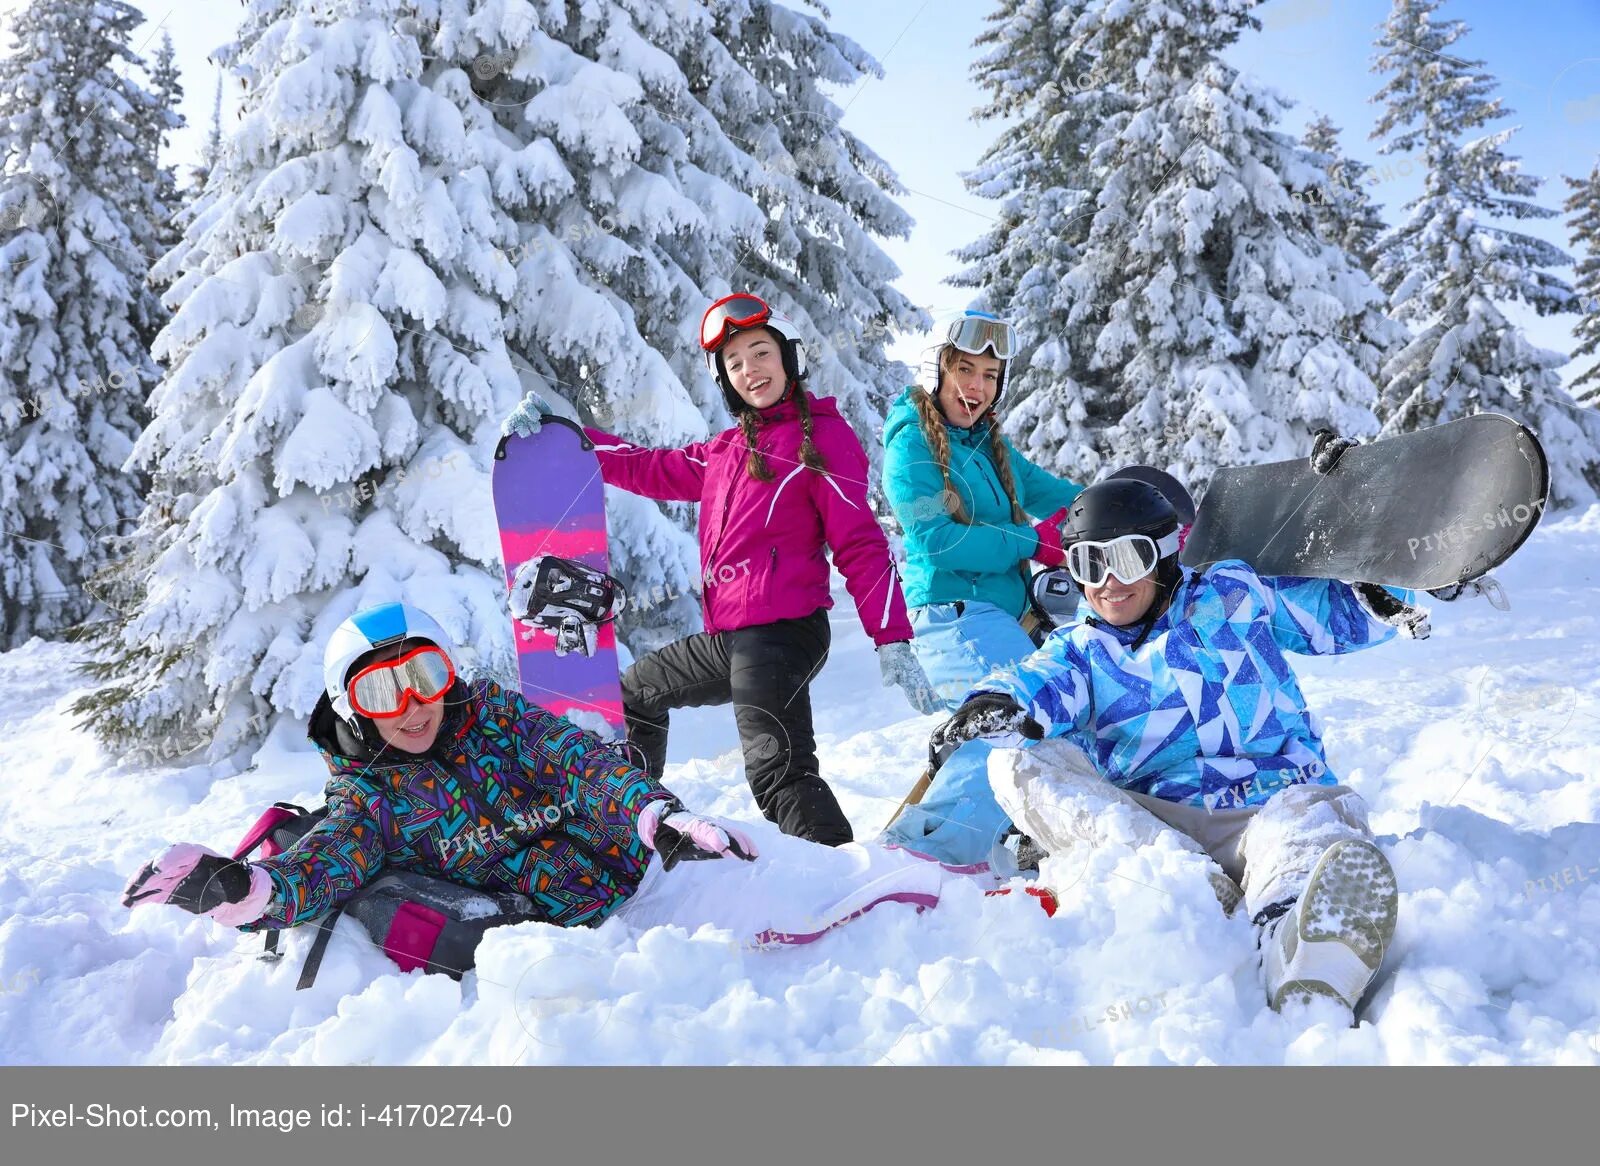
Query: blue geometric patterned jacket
x=1206 y=711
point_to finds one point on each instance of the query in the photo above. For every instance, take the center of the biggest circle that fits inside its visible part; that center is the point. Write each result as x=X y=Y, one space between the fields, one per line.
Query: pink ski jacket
x=761 y=543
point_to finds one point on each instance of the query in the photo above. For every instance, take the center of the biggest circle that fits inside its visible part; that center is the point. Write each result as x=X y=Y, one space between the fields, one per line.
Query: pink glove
x=203 y=882
x=1050 y=553
x=679 y=836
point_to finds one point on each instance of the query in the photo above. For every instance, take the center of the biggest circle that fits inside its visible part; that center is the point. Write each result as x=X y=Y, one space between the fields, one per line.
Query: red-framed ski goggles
x=729 y=314
x=1129 y=557
x=383 y=689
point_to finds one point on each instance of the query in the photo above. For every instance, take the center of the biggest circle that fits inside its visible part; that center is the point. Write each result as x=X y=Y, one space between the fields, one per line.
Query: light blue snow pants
x=958 y=820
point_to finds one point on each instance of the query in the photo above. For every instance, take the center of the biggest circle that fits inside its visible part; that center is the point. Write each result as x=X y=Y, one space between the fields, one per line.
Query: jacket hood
x=904 y=412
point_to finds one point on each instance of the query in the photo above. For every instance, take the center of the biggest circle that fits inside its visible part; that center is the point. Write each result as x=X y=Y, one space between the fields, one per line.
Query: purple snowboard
x=549 y=500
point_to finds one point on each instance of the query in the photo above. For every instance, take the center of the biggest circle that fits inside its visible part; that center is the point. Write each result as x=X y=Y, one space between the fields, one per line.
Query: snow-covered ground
x=1478 y=750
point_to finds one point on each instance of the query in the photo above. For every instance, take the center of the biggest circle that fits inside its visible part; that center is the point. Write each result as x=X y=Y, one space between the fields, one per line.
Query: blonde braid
x=937 y=435
x=1002 y=466
x=756 y=464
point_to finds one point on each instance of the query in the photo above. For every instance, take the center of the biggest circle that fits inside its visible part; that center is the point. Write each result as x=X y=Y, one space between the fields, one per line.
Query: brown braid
x=808 y=449
x=756 y=464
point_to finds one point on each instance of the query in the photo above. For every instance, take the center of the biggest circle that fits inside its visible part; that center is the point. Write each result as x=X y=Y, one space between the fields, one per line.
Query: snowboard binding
x=566 y=599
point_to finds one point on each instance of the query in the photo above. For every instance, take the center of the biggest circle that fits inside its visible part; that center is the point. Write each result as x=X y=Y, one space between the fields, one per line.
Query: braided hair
x=749 y=418
x=936 y=431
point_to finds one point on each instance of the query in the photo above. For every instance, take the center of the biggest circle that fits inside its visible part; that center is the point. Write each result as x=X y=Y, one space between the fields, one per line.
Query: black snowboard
x=1421 y=510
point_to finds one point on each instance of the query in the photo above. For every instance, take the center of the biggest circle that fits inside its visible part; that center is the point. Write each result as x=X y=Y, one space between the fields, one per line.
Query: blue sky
x=1315 y=52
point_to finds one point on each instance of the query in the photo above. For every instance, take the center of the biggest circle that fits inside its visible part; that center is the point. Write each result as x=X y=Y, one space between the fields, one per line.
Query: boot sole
x=1351 y=898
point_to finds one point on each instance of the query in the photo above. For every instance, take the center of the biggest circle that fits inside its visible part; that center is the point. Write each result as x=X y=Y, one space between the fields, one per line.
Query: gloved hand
x=1050 y=553
x=899 y=665
x=1411 y=622
x=1485 y=585
x=1327 y=449
x=679 y=836
x=991 y=715
x=202 y=882
x=526 y=419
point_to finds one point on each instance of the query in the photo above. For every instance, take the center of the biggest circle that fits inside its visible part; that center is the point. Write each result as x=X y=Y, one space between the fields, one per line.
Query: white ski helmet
x=751 y=311
x=370 y=628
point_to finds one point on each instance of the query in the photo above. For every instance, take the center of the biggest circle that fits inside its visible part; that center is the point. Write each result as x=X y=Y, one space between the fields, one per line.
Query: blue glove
x=527 y=418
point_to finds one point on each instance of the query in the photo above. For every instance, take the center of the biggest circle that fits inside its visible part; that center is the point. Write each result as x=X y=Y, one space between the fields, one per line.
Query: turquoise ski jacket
x=948 y=561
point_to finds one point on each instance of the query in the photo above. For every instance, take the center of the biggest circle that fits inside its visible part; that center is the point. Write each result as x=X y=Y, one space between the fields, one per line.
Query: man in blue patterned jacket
x=1175 y=699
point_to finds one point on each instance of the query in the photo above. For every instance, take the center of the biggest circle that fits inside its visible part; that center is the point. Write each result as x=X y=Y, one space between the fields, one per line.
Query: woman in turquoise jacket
x=963 y=495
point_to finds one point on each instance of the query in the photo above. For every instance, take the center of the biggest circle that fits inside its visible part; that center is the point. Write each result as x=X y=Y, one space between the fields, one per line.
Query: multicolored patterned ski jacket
x=511 y=798
x=1206 y=711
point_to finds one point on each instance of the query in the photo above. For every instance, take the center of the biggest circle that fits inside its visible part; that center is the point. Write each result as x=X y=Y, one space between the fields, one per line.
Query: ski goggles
x=1129 y=557
x=978 y=330
x=383 y=689
x=729 y=314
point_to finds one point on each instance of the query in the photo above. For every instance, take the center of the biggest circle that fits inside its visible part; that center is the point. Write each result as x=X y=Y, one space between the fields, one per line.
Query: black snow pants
x=765 y=671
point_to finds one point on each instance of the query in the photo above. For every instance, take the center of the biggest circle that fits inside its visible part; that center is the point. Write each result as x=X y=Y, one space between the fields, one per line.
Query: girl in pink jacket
x=789 y=480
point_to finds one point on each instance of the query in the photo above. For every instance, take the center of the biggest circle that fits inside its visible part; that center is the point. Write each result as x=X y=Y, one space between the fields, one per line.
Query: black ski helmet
x=1119 y=506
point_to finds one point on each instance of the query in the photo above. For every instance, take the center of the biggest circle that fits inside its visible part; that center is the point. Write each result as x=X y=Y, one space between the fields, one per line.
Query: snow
x=1477 y=751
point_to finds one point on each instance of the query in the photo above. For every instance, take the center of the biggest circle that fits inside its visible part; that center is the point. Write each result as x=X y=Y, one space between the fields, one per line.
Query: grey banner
x=703 y=1116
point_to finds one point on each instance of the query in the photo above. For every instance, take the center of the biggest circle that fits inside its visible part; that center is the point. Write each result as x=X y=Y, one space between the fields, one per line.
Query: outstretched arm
x=1041 y=492
x=331 y=862
x=1324 y=617
x=667 y=475
x=1051 y=686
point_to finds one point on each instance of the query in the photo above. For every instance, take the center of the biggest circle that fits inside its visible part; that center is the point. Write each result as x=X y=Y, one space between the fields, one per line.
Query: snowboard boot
x=1228 y=893
x=1331 y=940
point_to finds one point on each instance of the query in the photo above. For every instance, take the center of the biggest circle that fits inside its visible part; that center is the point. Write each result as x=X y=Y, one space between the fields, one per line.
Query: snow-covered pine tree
x=158 y=120
x=1221 y=329
x=166 y=85
x=757 y=72
x=78 y=210
x=211 y=148
x=736 y=175
x=1039 y=170
x=1583 y=204
x=1449 y=265
x=1344 y=213
x=428 y=207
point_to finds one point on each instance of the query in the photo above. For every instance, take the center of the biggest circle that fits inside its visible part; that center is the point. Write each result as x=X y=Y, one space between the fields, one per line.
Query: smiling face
x=1119 y=603
x=753 y=361
x=415 y=729
x=417 y=726
x=967 y=386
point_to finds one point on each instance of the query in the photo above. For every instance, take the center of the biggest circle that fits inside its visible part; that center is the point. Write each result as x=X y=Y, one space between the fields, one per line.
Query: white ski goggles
x=383 y=689
x=1129 y=557
x=973 y=333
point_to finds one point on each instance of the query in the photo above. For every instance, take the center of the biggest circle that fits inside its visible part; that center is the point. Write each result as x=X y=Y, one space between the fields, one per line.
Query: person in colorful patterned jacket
x=963 y=495
x=776 y=491
x=470 y=783
x=1174 y=701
